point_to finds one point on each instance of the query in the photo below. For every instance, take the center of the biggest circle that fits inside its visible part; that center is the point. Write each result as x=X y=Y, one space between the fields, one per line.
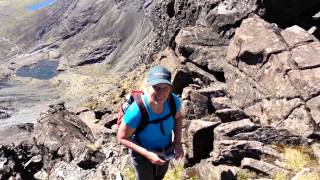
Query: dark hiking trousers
x=145 y=170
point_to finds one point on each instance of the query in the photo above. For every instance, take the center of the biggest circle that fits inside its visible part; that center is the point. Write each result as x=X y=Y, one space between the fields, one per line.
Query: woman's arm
x=177 y=135
x=124 y=133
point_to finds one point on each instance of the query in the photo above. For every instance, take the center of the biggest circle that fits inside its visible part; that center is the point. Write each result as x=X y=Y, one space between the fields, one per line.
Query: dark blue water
x=40 y=5
x=43 y=69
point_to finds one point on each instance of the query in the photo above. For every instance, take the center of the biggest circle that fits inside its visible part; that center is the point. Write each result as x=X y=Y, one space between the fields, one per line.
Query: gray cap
x=159 y=74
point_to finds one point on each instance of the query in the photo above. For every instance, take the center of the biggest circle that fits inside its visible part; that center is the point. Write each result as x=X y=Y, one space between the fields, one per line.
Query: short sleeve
x=177 y=101
x=132 y=116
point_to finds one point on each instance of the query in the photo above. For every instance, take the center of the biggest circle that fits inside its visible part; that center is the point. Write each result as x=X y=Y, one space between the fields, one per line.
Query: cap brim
x=159 y=81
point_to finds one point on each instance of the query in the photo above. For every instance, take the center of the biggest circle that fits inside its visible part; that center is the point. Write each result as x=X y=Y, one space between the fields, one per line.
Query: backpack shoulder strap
x=137 y=96
x=173 y=107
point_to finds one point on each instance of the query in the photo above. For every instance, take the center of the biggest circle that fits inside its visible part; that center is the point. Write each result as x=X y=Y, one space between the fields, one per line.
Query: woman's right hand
x=154 y=158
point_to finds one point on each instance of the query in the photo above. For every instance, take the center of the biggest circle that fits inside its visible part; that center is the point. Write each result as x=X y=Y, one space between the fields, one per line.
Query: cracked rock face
x=282 y=79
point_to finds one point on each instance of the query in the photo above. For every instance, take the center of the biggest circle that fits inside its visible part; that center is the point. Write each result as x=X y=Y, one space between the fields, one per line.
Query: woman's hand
x=178 y=150
x=154 y=158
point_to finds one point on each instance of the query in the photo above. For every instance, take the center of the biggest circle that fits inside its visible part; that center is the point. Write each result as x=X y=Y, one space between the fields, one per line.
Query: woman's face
x=159 y=93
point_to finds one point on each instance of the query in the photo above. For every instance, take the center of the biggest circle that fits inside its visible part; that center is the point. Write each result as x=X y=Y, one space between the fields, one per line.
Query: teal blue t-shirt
x=151 y=137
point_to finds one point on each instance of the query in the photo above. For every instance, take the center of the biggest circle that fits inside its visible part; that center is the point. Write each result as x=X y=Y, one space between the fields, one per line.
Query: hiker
x=151 y=148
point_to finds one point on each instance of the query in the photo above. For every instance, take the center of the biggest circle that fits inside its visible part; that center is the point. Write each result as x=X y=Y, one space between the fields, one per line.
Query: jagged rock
x=197 y=72
x=108 y=120
x=189 y=38
x=181 y=79
x=252 y=43
x=23 y=160
x=228 y=115
x=170 y=16
x=199 y=136
x=215 y=90
x=62 y=129
x=296 y=35
x=272 y=111
x=221 y=103
x=228 y=13
x=299 y=122
x=262 y=166
x=96 y=52
x=91 y=159
x=273 y=77
x=227 y=130
x=242 y=89
x=306 y=82
x=271 y=135
x=205 y=170
x=316 y=151
x=314 y=106
x=194 y=105
x=306 y=56
x=169 y=59
x=233 y=151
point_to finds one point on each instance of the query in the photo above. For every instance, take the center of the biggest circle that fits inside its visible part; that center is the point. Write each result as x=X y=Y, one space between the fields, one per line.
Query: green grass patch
x=245 y=175
x=176 y=173
x=280 y=176
x=129 y=173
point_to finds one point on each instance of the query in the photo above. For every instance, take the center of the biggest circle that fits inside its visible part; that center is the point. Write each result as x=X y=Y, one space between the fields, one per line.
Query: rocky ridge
x=247 y=86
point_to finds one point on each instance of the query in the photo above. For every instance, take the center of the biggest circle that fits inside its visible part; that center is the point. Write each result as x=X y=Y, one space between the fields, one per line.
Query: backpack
x=136 y=95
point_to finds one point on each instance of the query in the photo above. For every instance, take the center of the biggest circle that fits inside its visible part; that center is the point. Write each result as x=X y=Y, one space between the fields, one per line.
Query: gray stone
x=221 y=103
x=212 y=58
x=230 y=12
x=314 y=106
x=227 y=130
x=271 y=135
x=233 y=151
x=228 y=115
x=242 y=89
x=199 y=136
x=190 y=37
x=200 y=73
x=62 y=128
x=306 y=82
x=252 y=43
x=217 y=89
x=272 y=111
x=298 y=122
x=306 y=56
x=262 y=166
x=194 y=105
x=273 y=78
x=295 y=35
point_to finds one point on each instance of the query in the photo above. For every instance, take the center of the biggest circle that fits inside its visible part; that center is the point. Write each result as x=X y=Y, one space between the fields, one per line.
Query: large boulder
x=62 y=132
x=199 y=137
x=233 y=151
x=273 y=75
x=261 y=166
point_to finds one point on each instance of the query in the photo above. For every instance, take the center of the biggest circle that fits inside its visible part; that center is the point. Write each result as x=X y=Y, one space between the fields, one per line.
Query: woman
x=148 y=155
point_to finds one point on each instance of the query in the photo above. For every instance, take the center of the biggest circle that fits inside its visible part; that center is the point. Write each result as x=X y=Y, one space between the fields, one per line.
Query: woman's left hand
x=178 y=151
